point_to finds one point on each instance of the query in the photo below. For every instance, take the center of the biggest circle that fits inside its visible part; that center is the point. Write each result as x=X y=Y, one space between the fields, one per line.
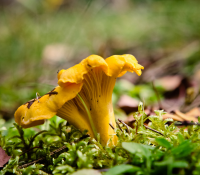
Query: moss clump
x=59 y=148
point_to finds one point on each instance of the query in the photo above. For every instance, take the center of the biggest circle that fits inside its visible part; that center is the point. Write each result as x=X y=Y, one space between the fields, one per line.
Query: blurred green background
x=38 y=38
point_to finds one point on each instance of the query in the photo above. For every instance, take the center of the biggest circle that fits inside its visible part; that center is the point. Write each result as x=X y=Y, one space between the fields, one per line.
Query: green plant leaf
x=136 y=147
x=163 y=142
x=120 y=169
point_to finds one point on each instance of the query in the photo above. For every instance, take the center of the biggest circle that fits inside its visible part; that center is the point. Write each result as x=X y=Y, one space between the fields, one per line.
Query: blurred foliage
x=149 y=30
x=142 y=92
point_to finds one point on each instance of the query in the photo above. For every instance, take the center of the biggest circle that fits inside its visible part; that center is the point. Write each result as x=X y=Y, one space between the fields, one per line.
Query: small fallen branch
x=127 y=127
x=153 y=130
x=51 y=153
x=119 y=126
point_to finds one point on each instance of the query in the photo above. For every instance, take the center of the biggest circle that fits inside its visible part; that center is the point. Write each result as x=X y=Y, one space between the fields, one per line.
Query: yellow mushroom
x=83 y=97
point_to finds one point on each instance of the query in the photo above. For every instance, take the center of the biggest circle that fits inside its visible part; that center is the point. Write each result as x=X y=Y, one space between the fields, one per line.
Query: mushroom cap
x=116 y=65
x=36 y=111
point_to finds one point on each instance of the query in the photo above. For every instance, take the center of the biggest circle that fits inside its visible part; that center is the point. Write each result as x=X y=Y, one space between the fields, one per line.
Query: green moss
x=148 y=152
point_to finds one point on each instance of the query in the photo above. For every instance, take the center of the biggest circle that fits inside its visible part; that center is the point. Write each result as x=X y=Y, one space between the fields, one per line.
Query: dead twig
x=30 y=163
x=30 y=150
x=111 y=126
x=127 y=127
x=153 y=130
x=186 y=123
x=52 y=153
x=119 y=126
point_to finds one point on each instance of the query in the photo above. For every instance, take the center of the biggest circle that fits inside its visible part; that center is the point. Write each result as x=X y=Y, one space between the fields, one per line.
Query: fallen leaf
x=186 y=117
x=195 y=112
x=128 y=104
x=170 y=82
x=4 y=158
x=179 y=116
x=174 y=117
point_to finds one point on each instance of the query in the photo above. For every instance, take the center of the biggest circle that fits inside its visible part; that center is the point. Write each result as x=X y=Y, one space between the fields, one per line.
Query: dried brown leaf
x=128 y=104
x=4 y=158
x=170 y=82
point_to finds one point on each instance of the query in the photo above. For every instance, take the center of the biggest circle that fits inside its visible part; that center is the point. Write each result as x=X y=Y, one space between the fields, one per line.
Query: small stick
x=57 y=150
x=153 y=130
x=186 y=123
x=111 y=126
x=30 y=150
x=124 y=125
x=119 y=126
x=52 y=153
x=35 y=161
